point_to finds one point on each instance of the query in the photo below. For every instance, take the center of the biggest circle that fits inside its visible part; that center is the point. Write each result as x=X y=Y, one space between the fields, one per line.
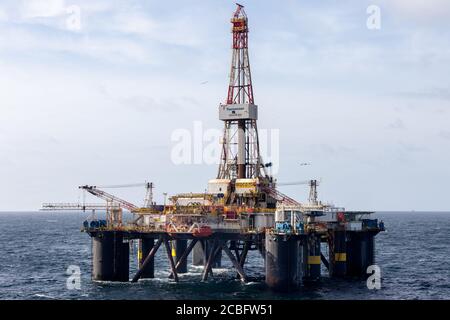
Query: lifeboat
x=340 y=217
x=203 y=231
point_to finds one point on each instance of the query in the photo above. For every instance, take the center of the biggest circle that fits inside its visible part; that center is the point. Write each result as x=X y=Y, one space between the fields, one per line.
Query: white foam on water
x=197 y=267
x=221 y=270
x=45 y=296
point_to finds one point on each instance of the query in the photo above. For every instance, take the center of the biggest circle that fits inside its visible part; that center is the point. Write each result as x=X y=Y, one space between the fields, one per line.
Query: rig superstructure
x=241 y=210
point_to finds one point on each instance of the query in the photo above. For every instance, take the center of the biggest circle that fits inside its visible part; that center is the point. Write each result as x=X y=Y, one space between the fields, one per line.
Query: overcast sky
x=96 y=102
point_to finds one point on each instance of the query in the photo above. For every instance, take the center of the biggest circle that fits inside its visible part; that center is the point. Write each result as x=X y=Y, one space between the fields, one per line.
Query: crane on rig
x=114 y=216
x=312 y=198
x=148 y=207
x=148 y=199
x=109 y=198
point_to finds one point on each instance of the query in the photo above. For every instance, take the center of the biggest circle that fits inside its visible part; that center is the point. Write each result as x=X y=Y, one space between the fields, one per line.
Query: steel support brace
x=215 y=248
x=235 y=263
x=184 y=255
x=324 y=261
x=169 y=256
x=150 y=255
x=247 y=245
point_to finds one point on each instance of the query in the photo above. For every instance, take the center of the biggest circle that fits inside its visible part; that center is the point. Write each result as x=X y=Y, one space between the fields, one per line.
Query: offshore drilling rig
x=242 y=210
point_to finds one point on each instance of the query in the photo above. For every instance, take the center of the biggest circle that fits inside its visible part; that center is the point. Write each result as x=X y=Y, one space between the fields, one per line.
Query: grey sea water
x=36 y=248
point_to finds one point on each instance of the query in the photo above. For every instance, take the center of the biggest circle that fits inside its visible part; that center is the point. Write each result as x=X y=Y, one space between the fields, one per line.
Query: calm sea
x=37 y=248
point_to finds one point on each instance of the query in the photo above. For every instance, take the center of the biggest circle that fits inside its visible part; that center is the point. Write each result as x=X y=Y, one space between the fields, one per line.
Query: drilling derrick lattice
x=240 y=151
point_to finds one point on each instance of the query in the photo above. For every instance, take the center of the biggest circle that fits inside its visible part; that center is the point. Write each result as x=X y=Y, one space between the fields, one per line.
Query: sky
x=92 y=91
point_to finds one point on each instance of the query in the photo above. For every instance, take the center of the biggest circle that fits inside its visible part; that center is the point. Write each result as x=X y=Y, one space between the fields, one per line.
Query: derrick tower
x=240 y=158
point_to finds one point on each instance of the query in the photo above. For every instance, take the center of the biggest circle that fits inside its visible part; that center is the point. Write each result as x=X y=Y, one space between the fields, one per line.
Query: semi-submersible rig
x=241 y=210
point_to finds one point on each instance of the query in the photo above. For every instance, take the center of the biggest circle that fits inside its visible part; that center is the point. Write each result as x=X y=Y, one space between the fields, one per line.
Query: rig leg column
x=338 y=255
x=354 y=255
x=281 y=262
x=146 y=245
x=217 y=262
x=360 y=253
x=368 y=251
x=110 y=257
x=198 y=256
x=179 y=246
x=312 y=257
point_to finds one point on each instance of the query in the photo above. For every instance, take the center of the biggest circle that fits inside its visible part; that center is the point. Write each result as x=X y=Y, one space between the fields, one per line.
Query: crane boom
x=281 y=197
x=109 y=197
x=148 y=200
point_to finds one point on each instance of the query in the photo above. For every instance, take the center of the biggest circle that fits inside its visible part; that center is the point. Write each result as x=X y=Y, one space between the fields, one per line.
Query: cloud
x=445 y=134
x=408 y=148
x=3 y=15
x=429 y=9
x=432 y=93
x=42 y=8
x=179 y=30
x=328 y=150
x=120 y=50
x=134 y=23
x=397 y=124
x=149 y=104
x=110 y=32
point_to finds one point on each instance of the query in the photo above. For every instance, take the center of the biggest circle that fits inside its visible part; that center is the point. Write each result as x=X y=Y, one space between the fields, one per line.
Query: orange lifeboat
x=203 y=231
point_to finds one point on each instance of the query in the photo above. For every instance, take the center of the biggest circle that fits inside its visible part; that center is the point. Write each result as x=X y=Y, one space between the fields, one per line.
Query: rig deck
x=292 y=254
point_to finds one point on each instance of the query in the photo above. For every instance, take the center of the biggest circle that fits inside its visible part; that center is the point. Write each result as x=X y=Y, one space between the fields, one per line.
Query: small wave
x=197 y=267
x=40 y=295
x=189 y=274
x=157 y=279
x=220 y=270
x=114 y=283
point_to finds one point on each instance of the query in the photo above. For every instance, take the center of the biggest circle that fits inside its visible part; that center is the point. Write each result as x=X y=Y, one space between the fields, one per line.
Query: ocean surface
x=37 y=248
